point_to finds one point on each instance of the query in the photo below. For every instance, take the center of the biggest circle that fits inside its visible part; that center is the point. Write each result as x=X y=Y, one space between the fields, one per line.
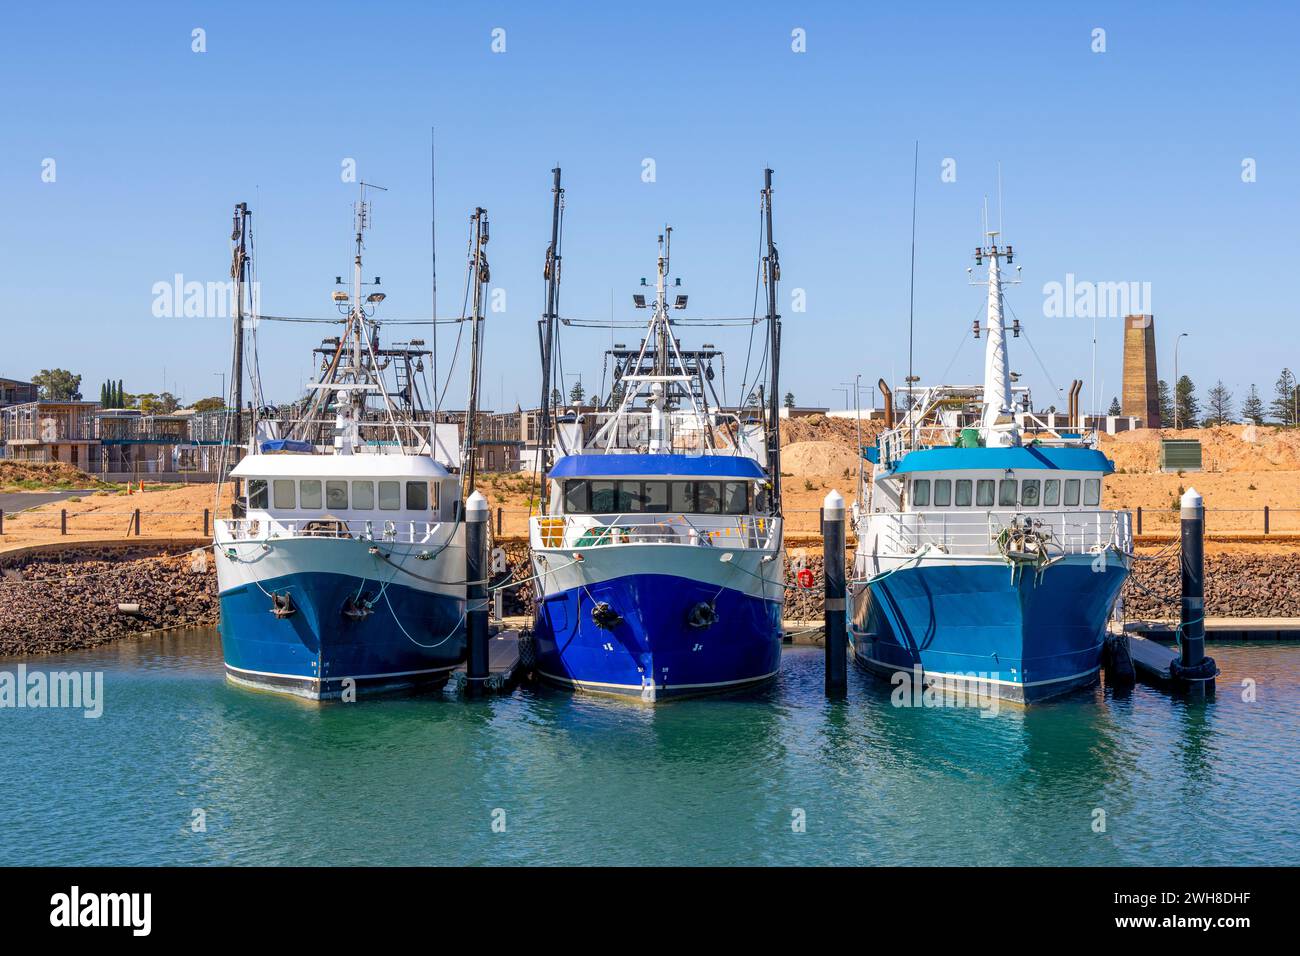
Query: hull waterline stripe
x=981 y=680
x=301 y=677
x=640 y=687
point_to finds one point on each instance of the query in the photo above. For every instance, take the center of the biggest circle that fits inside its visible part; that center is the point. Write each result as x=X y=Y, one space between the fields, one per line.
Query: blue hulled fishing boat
x=343 y=569
x=659 y=559
x=985 y=562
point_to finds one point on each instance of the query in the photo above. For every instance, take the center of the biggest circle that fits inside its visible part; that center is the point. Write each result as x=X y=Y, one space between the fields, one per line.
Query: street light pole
x=1177 y=342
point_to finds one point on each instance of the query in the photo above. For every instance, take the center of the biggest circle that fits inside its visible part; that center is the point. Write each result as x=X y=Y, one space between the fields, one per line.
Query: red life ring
x=805 y=578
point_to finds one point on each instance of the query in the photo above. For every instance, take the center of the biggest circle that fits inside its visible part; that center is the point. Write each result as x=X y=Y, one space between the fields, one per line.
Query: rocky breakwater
x=1263 y=583
x=72 y=599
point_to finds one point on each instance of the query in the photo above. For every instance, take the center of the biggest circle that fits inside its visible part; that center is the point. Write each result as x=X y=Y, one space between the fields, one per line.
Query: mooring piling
x=1193 y=669
x=837 y=678
x=1187 y=670
x=476 y=605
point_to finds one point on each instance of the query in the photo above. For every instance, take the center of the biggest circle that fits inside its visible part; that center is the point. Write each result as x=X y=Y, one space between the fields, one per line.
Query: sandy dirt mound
x=1227 y=448
x=821 y=428
x=25 y=474
x=821 y=458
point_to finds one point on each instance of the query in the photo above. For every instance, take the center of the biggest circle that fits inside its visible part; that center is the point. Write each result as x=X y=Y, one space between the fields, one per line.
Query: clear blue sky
x=1117 y=166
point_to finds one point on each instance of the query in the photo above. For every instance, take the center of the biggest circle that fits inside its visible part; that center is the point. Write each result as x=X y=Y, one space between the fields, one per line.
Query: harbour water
x=545 y=777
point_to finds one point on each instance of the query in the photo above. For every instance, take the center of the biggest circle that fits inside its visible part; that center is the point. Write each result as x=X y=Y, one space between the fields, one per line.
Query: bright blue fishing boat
x=659 y=562
x=985 y=562
x=344 y=569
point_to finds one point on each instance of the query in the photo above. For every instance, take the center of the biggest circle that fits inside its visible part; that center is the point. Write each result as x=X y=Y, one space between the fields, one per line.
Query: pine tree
x=121 y=395
x=1188 y=407
x=1285 y=398
x=577 y=393
x=103 y=396
x=1252 y=409
x=1219 y=405
x=789 y=399
x=1165 y=403
x=1115 y=407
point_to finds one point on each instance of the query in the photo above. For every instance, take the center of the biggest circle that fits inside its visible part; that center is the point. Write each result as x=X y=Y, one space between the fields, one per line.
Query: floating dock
x=503 y=664
x=1223 y=629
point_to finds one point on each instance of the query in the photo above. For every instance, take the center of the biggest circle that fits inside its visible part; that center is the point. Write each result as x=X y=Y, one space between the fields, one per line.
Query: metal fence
x=132 y=523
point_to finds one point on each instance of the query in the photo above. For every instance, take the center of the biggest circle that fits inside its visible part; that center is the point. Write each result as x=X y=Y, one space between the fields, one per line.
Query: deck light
x=340 y=297
x=639 y=301
x=375 y=297
x=680 y=303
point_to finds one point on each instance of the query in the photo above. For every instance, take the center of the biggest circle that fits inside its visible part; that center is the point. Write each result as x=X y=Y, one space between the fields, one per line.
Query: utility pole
x=1177 y=342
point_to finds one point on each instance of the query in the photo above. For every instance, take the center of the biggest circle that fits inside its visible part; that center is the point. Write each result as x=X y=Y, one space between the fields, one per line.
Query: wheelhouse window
x=257 y=493
x=964 y=487
x=283 y=493
x=681 y=496
x=1092 y=492
x=604 y=497
x=762 y=503
x=735 y=498
x=1007 y=497
x=1029 y=489
x=309 y=496
x=390 y=496
x=417 y=496
x=363 y=495
x=984 y=492
x=656 y=497
x=632 y=496
x=708 y=497
x=1052 y=492
x=577 y=496
x=1071 y=492
x=943 y=492
x=921 y=492
x=336 y=496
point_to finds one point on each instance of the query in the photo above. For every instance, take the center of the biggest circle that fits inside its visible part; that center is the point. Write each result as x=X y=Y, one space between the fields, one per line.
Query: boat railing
x=732 y=532
x=981 y=533
x=897 y=442
x=686 y=433
x=368 y=529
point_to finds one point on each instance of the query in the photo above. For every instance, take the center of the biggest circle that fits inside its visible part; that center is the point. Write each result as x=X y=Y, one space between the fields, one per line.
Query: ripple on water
x=590 y=780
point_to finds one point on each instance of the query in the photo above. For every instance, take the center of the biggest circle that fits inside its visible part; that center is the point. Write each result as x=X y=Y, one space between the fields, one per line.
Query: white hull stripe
x=669 y=687
x=300 y=677
x=982 y=680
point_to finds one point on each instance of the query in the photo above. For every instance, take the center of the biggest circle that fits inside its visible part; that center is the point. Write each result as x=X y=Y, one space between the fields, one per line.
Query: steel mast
x=773 y=271
x=482 y=276
x=551 y=272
